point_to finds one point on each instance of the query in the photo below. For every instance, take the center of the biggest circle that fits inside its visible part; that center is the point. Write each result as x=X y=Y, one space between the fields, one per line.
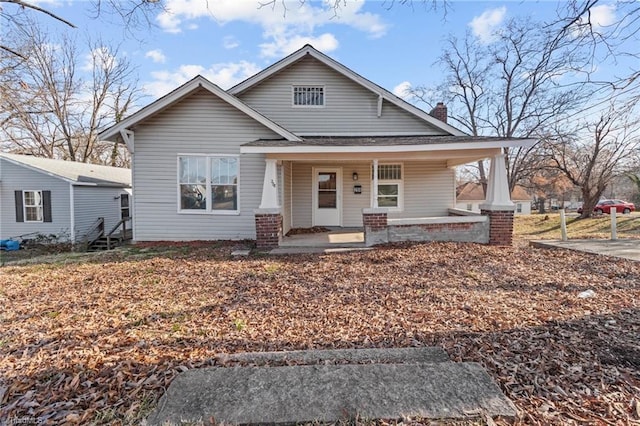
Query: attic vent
x=308 y=96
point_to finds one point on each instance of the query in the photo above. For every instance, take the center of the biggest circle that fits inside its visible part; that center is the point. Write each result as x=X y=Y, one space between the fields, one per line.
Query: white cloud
x=603 y=15
x=224 y=75
x=283 y=26
x=100 y=57
x=402 y=90
x=485 y=25
x=230 y=42
x=156 y=56
x=283 y=45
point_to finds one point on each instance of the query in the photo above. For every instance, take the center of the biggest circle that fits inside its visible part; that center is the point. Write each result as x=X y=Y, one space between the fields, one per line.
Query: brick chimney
x=439 y=112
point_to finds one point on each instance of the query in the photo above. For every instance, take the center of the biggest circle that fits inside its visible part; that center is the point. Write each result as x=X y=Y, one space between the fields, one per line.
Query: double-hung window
x=308 y=96
x=208 y=184
x=390 y=190
x=33 y=206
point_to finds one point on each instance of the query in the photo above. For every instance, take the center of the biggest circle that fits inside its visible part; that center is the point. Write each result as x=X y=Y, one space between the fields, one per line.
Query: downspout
x=72 y=213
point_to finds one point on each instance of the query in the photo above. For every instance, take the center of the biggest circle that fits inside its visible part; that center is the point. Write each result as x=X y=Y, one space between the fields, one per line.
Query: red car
x=604 y=206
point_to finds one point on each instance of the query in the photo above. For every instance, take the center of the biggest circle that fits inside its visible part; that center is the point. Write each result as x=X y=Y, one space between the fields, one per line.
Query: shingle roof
x=375 y=140
x=82 y=173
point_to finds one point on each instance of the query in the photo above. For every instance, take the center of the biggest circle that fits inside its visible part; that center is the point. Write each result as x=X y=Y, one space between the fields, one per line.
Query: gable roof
x=472 y=191
x=183 y=91
x=335 y=65
x=74 y=172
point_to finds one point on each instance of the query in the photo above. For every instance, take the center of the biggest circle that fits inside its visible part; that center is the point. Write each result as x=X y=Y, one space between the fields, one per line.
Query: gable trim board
x=382 y=93
x=177 y=95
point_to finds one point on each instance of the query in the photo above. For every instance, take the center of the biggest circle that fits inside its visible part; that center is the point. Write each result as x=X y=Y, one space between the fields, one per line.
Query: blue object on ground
x=9 y=245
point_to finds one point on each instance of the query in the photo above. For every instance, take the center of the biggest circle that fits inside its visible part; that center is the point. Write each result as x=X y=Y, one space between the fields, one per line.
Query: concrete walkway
x=625 y=249
x=333 y=386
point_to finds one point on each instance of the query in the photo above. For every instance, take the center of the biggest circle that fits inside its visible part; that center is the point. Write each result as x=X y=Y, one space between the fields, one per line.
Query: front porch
x=394 y=193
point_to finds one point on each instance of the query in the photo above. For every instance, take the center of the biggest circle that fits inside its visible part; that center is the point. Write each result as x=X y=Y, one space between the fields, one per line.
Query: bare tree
x=590 y=161
x=131 y=14
x=511 y=87
x=48 y=108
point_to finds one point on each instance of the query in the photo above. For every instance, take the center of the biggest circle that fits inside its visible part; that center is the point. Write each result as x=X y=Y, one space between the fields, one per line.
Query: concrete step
x=332 y=392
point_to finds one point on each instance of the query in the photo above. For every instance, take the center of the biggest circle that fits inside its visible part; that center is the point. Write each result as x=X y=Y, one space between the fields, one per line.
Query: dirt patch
x=304 y=231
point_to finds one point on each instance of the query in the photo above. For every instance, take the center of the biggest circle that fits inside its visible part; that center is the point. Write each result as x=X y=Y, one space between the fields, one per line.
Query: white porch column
x=270 y=186
x=374 y=186
x=498 y=196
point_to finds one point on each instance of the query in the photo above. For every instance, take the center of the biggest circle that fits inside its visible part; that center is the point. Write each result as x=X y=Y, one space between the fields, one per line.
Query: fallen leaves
x=123 y=328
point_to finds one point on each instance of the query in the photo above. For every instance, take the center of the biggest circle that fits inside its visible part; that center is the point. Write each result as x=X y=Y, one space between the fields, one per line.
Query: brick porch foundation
x=268 y=230
x=500 y=227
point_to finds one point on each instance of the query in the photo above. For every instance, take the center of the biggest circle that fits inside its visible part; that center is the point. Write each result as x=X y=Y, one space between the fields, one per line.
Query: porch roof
x=380 y=144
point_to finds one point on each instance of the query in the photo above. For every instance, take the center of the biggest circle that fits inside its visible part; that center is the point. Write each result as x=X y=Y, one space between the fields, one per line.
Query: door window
x=327 y=190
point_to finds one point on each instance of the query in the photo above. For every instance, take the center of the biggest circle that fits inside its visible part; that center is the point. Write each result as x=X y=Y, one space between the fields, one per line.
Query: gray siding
x=199 y=124
x=16 y=178
x=91 y=203
x=349 y=107
x=428 y=191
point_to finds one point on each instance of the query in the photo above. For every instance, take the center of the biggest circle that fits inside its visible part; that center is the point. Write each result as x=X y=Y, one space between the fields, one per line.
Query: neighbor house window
x=208 y=183
x=308 y=96
x=519 y=208
x=33 y=206
x=390 y=186
x=469 y=206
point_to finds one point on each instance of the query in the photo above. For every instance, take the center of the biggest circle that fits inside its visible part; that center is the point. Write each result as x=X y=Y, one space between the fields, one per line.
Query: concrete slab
x=315 y=250
x=238 y=253
x=339 y=356
x=329 y=393
x=624 y=248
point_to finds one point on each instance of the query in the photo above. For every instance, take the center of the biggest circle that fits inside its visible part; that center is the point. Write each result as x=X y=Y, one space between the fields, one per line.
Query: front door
x=327 y=196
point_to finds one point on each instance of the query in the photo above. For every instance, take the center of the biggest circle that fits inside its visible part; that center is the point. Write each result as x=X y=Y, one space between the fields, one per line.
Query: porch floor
x=335 y=238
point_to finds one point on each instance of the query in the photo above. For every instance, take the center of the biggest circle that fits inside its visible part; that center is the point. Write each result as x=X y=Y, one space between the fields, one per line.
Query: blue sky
x=229 y=40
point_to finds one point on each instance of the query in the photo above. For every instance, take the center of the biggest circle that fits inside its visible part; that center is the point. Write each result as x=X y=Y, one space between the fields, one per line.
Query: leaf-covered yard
x=98 y=341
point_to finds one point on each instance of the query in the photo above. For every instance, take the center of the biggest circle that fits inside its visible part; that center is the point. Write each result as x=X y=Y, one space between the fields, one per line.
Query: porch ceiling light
x=355 y=175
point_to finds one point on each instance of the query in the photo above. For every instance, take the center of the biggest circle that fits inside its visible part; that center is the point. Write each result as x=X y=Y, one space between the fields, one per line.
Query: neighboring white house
x=470 y=196
x=305 y=142
x=59 y=198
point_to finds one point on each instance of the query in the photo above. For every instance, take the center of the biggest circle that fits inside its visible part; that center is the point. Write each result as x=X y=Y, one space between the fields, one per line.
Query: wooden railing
x=124 y=234
x=95 y=232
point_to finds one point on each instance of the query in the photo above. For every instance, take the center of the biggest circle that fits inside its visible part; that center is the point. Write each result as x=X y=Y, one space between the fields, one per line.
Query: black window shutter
x=46 y=205
x=19 y=209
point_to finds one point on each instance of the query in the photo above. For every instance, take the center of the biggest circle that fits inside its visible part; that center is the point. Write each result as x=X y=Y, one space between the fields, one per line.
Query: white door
x=327 y=196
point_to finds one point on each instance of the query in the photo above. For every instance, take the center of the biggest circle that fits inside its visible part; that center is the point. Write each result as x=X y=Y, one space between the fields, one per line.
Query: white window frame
x=399 y=182
x=209 y=210
x=25 y=206
x=308 y=86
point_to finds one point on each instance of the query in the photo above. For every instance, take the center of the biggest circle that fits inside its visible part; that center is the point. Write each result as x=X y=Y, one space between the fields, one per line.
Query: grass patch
x=547 y=226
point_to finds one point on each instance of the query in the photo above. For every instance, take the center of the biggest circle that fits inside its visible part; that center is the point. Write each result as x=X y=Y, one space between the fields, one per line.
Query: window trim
x=315 y=86
x=399 y=182
x=25 y=206
x=208 y=210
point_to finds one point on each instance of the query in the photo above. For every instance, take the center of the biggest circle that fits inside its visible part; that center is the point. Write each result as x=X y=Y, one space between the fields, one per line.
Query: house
x=305 y=142
x=62 y=200
x=469 y=196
